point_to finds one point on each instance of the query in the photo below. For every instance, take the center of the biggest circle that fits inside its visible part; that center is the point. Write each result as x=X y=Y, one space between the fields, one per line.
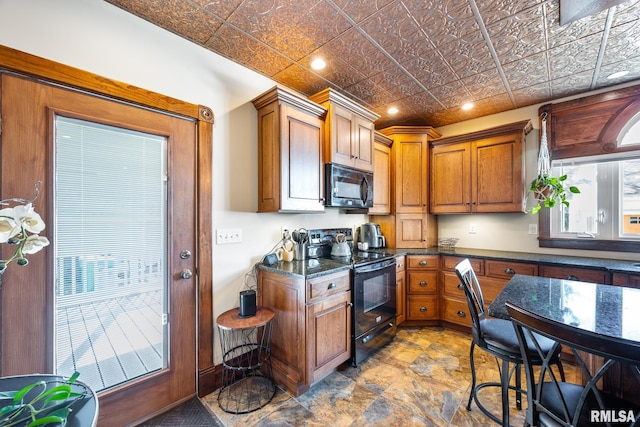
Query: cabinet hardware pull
x=462 y=314
x=423 y=262
x=460 y=286
x=350 y=304
x=186 y=274
x=423 y=283
x=509 y=270
x=331 y=285
x=572 y=277
x=423 y=309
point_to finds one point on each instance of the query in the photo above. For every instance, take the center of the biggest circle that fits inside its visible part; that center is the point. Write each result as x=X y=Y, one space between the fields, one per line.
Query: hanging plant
x=549 y=191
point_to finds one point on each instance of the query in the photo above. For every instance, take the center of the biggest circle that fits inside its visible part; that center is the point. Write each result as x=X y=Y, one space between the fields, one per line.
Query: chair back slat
x=565 y=403
x=473 y=292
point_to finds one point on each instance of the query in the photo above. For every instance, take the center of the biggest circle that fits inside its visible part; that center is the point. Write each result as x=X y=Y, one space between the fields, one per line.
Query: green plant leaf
x=562 y=178
x=535 y=209
x=73 y=377
x=574 y=189
x=23 y=391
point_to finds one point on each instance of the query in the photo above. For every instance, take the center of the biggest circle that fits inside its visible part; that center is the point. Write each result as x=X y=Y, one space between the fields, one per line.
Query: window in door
x=110 y=261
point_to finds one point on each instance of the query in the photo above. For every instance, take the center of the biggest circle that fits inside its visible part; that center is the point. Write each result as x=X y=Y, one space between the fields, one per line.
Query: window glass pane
x=631 y=198
x=630 y=134
x=581 y=215
x=110 y=258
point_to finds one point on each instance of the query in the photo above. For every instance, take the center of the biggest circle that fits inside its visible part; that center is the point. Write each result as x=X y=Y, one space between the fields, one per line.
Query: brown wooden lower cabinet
x=422 y=287
x=401 y=289
x=311 y=327
x=575 y=273
x=422 y=307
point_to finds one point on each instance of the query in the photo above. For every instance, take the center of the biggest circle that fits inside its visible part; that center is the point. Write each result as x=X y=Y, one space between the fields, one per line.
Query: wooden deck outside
x=112 y=339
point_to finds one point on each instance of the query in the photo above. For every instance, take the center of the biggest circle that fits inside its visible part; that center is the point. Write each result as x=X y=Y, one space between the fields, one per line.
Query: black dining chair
x=498 y=338
x=554 y=402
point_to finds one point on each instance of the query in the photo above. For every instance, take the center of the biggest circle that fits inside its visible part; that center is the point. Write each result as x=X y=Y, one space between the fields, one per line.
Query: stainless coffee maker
x=370 y=234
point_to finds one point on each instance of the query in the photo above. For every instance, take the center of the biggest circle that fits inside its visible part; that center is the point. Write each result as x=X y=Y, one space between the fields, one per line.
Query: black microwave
x=347 y=188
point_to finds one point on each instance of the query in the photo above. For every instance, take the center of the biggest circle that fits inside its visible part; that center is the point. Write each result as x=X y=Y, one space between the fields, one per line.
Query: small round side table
x=247 y=384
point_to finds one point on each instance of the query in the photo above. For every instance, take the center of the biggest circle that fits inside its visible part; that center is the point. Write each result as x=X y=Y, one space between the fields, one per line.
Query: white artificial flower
x=7 y=225
x=34 y=243
x=30 y=220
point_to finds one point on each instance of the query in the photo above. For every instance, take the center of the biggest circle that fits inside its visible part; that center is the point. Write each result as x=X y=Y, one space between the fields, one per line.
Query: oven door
x=374 y=289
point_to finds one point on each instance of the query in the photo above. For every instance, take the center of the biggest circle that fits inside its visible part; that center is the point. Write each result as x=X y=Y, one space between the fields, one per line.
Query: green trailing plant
x=550 y=191
x=41 y=403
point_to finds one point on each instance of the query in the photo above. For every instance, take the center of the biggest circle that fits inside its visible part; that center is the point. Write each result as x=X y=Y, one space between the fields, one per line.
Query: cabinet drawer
x=506 y=269
x=451 y=285
x=491 y=287
x=450 y=262
x=401 y=263
x=575 y=273
x=427 y=262
x=323 y=286
x=422 y=282
x=456 y=311
x=422 y=307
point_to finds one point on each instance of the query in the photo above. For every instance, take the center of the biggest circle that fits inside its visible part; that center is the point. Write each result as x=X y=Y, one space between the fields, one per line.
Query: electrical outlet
x=473 y=228
x=228 y=235
x=533 y=228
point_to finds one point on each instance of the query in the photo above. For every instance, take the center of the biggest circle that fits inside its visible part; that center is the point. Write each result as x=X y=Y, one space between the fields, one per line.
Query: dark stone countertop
x=311 y=268
x=611 y=265
x=307 y=269
x=604 y=309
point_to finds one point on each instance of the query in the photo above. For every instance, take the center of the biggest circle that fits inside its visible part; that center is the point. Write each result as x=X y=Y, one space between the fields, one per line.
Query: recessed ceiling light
x=392 y=110
x=467 y=106
x=318 y=64
x=617 y=75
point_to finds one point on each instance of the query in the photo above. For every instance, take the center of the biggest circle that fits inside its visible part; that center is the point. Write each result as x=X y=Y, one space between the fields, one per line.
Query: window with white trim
x=608 y=206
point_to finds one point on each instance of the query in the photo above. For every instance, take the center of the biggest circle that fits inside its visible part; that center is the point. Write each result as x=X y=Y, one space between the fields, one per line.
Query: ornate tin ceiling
x=425 y=57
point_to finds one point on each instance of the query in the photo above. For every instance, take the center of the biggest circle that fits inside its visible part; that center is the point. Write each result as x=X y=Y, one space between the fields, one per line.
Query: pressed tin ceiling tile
x=178 y=16
x=496 y=10
x=358 y=10
x=527 y=71
x=574 y=57
x=245 y=50
x=519 y=35
x=532 y=94
x=422 y=56
x=221 y=8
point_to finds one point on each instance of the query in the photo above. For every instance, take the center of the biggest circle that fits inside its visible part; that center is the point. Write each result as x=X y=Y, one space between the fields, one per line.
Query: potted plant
x=550 y=191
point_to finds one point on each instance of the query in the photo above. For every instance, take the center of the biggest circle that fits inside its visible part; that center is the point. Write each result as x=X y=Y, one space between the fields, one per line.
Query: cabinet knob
x=331 y=286
x=350 y=304
x=423 y=262
x=186 y=274
x=400 y=265
x=461 y=314
x=509 y=270
x=460 y=286
x=423 y=309
x=423 y=283
x=572 y=277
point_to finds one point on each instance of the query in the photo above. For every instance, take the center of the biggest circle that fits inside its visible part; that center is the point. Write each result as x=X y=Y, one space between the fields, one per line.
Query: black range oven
x=373 y=286
x=374 y=307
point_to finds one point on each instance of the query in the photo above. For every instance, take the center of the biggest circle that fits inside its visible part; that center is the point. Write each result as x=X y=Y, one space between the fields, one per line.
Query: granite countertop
x=611 y=265
x=311 y=268
x=602 y=309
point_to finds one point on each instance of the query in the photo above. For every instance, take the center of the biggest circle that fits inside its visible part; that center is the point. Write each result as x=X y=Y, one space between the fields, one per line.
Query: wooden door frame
x=29 y=65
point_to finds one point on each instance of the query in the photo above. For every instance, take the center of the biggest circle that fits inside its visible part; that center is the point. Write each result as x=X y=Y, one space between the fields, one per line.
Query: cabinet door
x=301 y=167
x=416 y=230
x=574 y=273
x=381 y=180
x=401 y=292
x=497 y=174
x=451 y=178
x=411 y=186
x=328 y=334
x=363 y=143
x=341 y=140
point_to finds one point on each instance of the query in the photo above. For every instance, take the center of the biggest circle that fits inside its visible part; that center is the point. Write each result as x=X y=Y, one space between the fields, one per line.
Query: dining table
x=611 y=311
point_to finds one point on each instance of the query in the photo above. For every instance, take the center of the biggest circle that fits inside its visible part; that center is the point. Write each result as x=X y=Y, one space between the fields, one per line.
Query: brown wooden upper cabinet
x=479 y=172
x=290 y=162
x=410 y=225
x=348 y=131
x=381 y=175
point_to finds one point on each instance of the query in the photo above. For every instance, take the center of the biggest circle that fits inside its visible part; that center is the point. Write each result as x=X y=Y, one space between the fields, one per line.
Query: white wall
x=95 y=36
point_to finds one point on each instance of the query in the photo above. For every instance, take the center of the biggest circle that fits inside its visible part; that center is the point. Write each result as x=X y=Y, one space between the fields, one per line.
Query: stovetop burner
x=325 y=238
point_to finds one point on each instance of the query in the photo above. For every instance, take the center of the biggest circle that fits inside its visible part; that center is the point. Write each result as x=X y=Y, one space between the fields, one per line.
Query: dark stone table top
x=604 y=309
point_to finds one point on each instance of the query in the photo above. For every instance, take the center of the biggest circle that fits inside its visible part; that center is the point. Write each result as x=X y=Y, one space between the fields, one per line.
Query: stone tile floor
x=422 y=378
